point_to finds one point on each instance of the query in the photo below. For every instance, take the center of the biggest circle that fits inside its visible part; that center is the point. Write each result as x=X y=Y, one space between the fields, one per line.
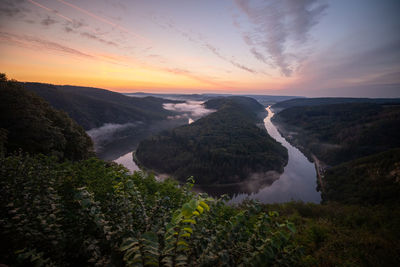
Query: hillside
x=29 y=123
x=263 y=99
x=223 y=147
x=341 y=132
x=358 y=141
x=367 y=181
x=300 y=102
x=57 y=212
x=93 y=107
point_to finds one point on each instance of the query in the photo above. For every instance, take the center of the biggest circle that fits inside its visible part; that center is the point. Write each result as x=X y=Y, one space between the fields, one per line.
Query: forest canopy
x=29 y=123
x=223 y=147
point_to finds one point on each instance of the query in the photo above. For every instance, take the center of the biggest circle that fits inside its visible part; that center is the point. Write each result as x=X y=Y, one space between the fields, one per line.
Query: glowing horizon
x=288 y=47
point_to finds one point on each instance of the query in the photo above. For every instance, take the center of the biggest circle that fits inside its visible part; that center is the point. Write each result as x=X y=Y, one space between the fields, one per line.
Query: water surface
x=127 y=161
x=298 y=180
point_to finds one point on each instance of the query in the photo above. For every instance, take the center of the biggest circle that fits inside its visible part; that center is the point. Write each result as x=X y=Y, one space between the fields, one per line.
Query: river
x=297 y=182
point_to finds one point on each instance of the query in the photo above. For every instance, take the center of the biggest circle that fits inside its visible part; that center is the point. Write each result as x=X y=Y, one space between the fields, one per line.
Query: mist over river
x=297 y=182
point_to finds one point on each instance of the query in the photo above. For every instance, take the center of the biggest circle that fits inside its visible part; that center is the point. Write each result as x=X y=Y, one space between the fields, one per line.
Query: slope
x=93 y=107
x=223 y=147
x=29 y=123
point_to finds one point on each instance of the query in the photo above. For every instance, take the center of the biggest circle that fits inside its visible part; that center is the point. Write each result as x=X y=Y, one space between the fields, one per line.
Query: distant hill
x=299 y=102
x=223 y=147
x=341 y=132
x=267 y=100
x=93 y=107
x=248 y=106
x=29 y=123
x=194 y=97
x=263 y=99
x=360 y=143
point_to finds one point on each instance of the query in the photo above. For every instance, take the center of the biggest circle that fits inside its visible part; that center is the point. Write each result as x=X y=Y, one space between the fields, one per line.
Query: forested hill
x=342 y=132
x=367 y=181
x=359 y=141
x=223 y=147
x=299 y=102
x=93 y=107
x=29 y=123
x=248 y=105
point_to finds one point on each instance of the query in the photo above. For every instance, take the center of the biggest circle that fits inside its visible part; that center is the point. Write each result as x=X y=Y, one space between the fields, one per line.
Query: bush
x=95 y=213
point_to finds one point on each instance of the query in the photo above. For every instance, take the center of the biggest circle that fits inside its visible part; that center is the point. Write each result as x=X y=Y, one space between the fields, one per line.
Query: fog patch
x=190 y=109
x=106 y=133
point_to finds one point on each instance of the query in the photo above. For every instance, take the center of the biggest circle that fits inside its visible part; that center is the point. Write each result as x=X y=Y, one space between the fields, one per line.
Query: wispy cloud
x=9 y=11
x=276 y=23
x=72 y=25
x=364 y=67
x=106 y=21
x=198 y=39
x=13 y=8
x=48 y=21
x=33 y=42
x=191 y=75
x=216 y=52
x=98 y=38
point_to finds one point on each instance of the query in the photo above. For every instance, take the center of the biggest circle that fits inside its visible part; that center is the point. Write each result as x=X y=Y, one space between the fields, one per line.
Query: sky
x=286 y=47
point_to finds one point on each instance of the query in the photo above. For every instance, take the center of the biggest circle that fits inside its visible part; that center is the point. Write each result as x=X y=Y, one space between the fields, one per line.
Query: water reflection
x=297 y=182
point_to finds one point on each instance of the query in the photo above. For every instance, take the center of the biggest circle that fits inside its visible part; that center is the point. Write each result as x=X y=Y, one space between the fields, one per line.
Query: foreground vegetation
x=336 y=234
x=95 y=213
x=223 y=147
x=369 y=180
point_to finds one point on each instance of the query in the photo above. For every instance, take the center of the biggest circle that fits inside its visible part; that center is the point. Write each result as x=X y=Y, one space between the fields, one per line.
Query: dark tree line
x=30 y=124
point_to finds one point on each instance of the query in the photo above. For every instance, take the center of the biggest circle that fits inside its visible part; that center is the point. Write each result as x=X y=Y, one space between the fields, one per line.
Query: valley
x=72 y=197
x=199 y=133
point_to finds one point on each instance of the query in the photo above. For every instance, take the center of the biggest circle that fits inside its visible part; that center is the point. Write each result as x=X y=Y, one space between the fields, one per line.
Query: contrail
x=105 y=20
x=50 y=10
x=56 y=12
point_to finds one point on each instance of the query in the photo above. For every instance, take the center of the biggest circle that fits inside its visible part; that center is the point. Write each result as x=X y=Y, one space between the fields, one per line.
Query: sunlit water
x=127 y=161
x=297 y=182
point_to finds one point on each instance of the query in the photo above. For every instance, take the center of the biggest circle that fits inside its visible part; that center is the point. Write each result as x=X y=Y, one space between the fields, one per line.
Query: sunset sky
x=287 y=47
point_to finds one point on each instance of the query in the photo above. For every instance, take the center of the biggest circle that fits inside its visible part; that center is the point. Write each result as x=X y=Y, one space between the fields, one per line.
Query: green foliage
x=367 y=181
x=318 y=101
x=344 y=235
x=30 y=124
x=3 y=141
x=223 y=147
x=95 y=213
x=342 y=132
x=360 y=140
